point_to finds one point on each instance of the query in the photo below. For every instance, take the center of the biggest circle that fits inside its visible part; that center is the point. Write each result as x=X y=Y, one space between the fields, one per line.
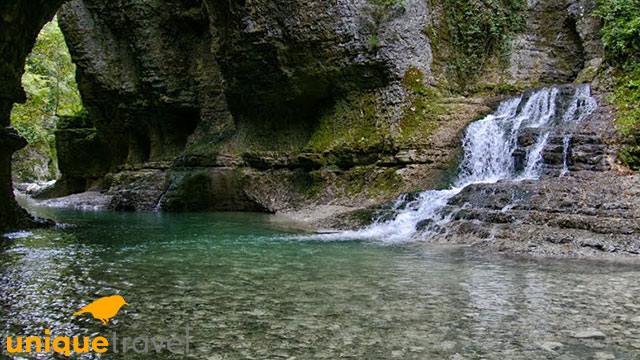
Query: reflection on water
x=249 y=290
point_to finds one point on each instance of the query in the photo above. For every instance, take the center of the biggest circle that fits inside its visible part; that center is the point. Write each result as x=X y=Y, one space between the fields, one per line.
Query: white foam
x=18 y=235
x=489 y=145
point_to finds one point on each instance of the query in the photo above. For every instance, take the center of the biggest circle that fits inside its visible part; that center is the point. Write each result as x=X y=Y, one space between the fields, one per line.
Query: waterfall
x=566 y=142
x=582 y=105
x=489 y=146
x=535 y=158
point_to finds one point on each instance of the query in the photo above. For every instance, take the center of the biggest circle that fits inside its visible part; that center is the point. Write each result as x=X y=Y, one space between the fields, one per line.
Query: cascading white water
x=582 y=105
x=566 y=142
x=535 y=158
x=489 y=145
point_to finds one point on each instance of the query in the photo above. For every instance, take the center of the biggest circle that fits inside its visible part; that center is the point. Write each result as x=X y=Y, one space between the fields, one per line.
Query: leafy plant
x=621 y=30
x=474 y=32
x=51 y=89
x=621 y=39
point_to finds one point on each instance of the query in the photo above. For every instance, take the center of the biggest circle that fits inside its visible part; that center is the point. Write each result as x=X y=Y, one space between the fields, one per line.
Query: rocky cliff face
x=20 y=22
x=268 y=105
x=166 y=75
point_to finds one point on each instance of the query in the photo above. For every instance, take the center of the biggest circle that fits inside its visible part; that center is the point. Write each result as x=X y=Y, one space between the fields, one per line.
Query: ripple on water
x=247 y=292
x=17 y=235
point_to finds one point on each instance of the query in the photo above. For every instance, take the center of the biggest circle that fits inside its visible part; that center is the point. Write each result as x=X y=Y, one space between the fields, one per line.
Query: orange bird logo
x=104 y=309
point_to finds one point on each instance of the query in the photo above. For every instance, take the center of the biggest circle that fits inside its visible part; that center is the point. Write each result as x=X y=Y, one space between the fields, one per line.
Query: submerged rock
x=589 y=334
x=551 y=346
x=87 y=201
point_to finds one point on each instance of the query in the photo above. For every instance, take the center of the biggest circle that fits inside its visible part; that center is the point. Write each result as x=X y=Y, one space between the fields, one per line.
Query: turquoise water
x=249 y=289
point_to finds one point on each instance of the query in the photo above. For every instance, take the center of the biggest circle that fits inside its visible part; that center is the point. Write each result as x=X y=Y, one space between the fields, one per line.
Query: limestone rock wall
x=560 y=39
x=20 y=23
x=326 y=101
x=157 y=75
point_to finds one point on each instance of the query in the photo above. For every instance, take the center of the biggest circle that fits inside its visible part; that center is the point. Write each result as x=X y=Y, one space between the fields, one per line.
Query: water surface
x=250 y=290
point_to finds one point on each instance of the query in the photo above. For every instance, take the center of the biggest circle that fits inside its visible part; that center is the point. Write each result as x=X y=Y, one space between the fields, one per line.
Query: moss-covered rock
x=422 y=115
x=621 y=39
x=312 y=101
x=472 y=34
x=34 y=164
x=627 y=100
x=353 y=124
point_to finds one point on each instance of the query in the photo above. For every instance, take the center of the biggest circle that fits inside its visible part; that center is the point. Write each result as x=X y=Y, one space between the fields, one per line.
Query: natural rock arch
x=20 y=21
x=250 y=69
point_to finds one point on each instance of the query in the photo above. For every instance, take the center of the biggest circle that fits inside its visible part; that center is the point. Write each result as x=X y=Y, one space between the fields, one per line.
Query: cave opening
x=52 y=98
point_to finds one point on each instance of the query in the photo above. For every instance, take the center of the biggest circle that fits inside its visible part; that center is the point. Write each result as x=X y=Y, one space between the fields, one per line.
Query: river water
x=248 y=288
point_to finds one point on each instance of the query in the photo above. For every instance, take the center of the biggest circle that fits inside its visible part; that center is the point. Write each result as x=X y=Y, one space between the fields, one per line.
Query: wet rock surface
x=561 y=38
x=555 y=197
x=250 y=83
x=586 y=213
x=224 y=104
x=582 y=206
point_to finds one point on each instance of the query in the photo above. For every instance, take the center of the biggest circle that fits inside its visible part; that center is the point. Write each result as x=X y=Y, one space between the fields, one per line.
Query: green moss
x=413 y=81
x=204 y=149
x=500 y=89
x=386 y=183
x=472 y=34
x=421 y=117
x=626 y=98
x=313 y=184
x=373 y=182
x=353 y=124
x=361 y=217
x=192 y=194
x=377 y=13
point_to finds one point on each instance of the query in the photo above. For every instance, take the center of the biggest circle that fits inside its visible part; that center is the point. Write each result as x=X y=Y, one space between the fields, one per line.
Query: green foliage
x=49 y=82
x=374 y=42
x=621 y=39
x=475 y=32
x=621 y=30
x=626 y=98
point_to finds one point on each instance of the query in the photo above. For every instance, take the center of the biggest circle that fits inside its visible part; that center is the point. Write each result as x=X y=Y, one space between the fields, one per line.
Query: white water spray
x=582 y=105
x=489 y=145
x=566 y=142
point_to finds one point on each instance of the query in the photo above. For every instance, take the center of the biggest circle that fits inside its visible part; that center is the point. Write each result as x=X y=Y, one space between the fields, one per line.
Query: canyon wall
x=269 y=105
x=20 y=22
